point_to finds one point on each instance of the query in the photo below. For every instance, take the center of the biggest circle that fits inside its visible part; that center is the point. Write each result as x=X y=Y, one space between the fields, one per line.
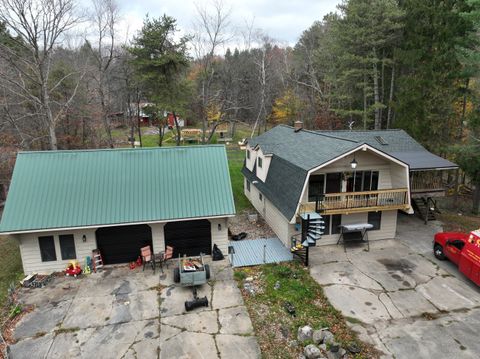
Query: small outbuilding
x=63 y=204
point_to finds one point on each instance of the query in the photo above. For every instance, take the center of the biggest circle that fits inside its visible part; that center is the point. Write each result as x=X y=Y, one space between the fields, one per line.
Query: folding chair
x=146 y=254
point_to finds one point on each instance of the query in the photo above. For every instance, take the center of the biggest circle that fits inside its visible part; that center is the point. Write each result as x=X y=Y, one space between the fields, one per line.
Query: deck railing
x=427 y=181
x=350 y=202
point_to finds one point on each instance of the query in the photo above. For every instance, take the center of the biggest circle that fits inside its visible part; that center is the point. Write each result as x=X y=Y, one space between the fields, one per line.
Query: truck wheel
x=176 y=275
x=438 y=252
x=207 y=271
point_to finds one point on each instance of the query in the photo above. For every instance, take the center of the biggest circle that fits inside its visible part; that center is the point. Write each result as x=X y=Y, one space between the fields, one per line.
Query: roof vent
x=381 y=140
x=298 y=126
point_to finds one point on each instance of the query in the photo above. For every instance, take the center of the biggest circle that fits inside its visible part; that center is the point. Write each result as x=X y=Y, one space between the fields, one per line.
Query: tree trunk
x=52 y=136
x=177 y=127
x=138 y=119
x=378 y=122
x=390 y=98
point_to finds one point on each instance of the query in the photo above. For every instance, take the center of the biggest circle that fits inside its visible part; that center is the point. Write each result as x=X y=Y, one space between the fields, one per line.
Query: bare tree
x=104 y=18
x=38 y=27
x=211 y=32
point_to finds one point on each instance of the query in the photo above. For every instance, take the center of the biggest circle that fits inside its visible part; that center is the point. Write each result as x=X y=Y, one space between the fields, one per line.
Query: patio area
x=123 y=313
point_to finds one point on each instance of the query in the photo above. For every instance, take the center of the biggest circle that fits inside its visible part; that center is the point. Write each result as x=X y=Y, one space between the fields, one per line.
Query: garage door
x=122 y=244
x=189 y=237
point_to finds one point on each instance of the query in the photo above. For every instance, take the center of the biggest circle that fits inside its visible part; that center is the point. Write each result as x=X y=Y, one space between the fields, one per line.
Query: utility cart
x=192 y=272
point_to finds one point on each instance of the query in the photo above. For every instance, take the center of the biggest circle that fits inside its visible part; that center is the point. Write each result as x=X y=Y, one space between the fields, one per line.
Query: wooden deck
x=353 y=202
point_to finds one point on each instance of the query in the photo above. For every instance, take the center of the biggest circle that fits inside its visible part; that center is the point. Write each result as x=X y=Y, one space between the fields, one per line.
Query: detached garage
x=64 y=204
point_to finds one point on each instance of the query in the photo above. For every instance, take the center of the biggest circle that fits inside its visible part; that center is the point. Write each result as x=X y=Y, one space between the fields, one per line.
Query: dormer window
x=248 y=154
x=260 y=162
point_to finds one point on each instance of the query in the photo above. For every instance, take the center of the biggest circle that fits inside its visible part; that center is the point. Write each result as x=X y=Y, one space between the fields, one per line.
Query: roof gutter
x=56 y=229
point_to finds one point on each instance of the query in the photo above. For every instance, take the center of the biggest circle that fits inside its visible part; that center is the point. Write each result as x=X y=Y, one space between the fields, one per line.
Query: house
x=63 y=204
x=349 y=177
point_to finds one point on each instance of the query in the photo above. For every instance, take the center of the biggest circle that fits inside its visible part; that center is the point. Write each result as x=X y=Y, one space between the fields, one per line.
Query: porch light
x=219 y=227
x=84 y=238
x=354 y=163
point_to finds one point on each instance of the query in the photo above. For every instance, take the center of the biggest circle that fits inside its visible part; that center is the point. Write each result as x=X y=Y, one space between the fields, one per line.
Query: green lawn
x=235 y=164
x=10 y=266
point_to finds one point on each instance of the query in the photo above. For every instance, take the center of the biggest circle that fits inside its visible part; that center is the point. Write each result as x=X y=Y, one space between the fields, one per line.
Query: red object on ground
x=139 y=261
x=133 y=265
x=462 y=249
x=73 y=270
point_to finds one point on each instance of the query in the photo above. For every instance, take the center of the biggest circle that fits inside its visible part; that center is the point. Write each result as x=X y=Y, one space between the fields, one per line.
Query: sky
x=282 y=20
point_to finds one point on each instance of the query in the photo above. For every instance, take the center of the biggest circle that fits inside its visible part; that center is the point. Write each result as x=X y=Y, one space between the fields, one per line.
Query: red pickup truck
x=462 y=249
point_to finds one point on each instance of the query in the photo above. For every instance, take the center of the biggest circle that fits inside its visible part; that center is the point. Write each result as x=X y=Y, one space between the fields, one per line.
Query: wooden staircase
x=425 y=208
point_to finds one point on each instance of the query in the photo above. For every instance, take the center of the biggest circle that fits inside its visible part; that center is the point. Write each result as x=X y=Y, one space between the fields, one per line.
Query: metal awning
x=258 y=251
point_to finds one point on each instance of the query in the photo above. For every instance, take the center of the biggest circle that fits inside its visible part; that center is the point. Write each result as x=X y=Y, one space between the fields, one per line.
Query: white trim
x=113 y=225
x=434 y=169
x=362 y=147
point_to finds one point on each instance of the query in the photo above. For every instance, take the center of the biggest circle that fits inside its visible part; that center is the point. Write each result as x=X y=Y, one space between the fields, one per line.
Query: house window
x=67 y=246
x=332 y=224
x=334 y=183
x=248 y=154
x=360 y=181
x=260 y=196
x=260 y=162
x=248 y=186
x=47 y=248
x=316 y=186
x=375 y=218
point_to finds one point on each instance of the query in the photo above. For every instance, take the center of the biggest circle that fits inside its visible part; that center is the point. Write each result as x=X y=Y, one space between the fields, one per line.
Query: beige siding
x=253 y=157
x=220 y=234
x=32 y=261
x=30 y=250
x=277 y=222
x=263 y=171
x=387 y=229
x=158 y=237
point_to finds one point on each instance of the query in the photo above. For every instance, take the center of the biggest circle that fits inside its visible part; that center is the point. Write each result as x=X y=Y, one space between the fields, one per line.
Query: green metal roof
x=61 y=189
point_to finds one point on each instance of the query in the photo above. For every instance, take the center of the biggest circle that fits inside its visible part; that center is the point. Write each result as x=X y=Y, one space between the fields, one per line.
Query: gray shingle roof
x=399 y=144
x=306 y=149
x=283 y=185
x=295 y=153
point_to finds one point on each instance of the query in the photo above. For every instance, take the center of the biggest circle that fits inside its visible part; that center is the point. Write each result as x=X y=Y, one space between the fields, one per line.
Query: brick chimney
x=298 y=126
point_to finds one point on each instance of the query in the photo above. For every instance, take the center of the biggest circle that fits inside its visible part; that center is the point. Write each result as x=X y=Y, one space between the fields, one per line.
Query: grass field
x=10 y=265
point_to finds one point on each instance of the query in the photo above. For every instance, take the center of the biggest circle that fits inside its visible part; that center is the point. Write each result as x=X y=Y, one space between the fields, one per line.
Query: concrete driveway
x=120 y=313
x=399 y=297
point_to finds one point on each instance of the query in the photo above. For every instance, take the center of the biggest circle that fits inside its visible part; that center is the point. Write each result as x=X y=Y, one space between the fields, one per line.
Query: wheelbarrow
x=192 y=272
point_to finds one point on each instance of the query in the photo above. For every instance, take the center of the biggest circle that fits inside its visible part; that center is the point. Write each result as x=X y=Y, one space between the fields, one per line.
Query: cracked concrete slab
x=205 y=322
x=31 y=347
x=120 y=313
x=238 y=347
x=226 y=294
x=357 y=303
x=411 y=303
x=235 y=321
x=445 y=337
x=189 y=345
x=414 y=287
x=42 y=321
x=173 y=299
x=343 y=273
x=167 y=332
x=449 y=294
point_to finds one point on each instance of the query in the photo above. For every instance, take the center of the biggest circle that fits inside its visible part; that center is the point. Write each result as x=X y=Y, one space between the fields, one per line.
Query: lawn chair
x=147 y=257
x=163 y=257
